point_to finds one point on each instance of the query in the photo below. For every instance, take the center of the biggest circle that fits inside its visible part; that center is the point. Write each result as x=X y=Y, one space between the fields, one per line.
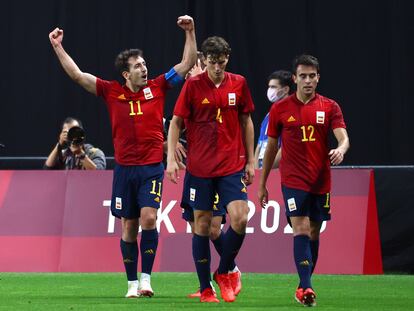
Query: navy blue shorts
x=301 y=203
x=201 y=192
x=135 y=187
x=188 y=213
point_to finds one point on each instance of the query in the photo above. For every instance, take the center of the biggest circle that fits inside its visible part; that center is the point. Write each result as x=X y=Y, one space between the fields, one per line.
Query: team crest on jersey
x=320 y=117
x=118 y=203
x=192 y=194
x=148 y=93
x=232 y=99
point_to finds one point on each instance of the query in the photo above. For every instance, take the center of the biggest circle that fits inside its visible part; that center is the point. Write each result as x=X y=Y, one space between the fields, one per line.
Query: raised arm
x=173 y=135
x=248 y=138
x=337 y=155
x=190 y=47
x=86 y=80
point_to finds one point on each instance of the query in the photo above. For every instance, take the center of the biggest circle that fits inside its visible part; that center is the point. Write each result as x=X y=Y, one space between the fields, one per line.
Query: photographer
x=72 y=153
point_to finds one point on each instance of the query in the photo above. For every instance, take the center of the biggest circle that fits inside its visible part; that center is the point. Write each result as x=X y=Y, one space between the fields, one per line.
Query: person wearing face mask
x=280 y=85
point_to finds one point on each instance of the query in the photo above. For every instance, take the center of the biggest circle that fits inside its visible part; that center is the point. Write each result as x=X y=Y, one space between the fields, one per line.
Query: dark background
x=365 y=49
x=394 y=189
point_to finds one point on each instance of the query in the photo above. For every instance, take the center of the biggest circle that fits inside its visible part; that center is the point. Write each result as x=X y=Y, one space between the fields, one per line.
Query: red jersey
x=136 y=120
x=214 y=136
x=304 y=128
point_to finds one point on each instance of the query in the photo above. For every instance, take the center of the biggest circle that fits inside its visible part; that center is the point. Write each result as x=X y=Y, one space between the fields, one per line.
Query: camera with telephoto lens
x=76 y=136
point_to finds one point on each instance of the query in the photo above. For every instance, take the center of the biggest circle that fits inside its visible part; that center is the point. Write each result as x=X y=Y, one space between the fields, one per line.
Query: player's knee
x=239 y=224
x=202 y=223
x=129 y=231
x=315 y=230
x=243 y=224
x=243 y=221
x=202 y=228
x=301 y=230
x=214 y=233
x=149 y=221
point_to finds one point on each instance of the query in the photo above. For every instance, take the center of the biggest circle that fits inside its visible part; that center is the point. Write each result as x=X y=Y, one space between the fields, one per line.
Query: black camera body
x=76 y=136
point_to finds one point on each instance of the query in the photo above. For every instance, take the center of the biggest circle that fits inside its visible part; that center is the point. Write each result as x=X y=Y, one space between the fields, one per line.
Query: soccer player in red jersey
x=136 y=112
x=304 y=120
x=216 y=107
x=219 y=211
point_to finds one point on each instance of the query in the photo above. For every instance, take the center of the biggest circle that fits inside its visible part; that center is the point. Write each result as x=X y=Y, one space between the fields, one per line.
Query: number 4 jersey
x=211 y=114
x=304 y=129
x=136 y=120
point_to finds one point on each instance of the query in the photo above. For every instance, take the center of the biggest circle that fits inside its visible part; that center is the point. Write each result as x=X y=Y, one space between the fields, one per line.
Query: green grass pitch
x=104 y=291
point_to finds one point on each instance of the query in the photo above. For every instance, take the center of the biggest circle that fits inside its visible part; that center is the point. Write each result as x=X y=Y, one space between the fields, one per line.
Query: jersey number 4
x=219 y=116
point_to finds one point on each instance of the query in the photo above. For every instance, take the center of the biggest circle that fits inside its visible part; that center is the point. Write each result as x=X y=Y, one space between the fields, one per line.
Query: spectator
x=280 y=85
x=74 y=153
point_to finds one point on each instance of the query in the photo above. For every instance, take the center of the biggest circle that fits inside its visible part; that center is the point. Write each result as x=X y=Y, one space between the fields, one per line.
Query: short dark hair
x=215 y=47
x=70 y=120
x=121 y=61
x=306 y=60
x=284 y=77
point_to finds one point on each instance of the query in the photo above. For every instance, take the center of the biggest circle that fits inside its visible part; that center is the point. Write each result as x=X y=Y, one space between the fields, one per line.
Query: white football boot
x=132 y=289
x=145 y=289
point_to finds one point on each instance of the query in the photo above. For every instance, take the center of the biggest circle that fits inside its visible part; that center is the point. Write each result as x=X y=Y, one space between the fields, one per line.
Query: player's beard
x=141 y=82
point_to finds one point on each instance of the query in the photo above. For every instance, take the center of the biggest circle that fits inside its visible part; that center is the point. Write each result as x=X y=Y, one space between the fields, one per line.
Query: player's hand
x=172 y=171
x=336 y=156
x=248 y=173
x=196 y=70
x=180 y=152
x=56 y=37
x=263 y=196
x=181 y=166
x=185 y=22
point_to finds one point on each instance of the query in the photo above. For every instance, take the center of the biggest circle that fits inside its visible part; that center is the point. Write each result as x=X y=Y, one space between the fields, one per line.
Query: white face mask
x=273 y=95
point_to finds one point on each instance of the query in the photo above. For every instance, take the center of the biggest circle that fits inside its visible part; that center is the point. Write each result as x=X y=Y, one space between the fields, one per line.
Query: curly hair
x=121 y=61
x=215 y=47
